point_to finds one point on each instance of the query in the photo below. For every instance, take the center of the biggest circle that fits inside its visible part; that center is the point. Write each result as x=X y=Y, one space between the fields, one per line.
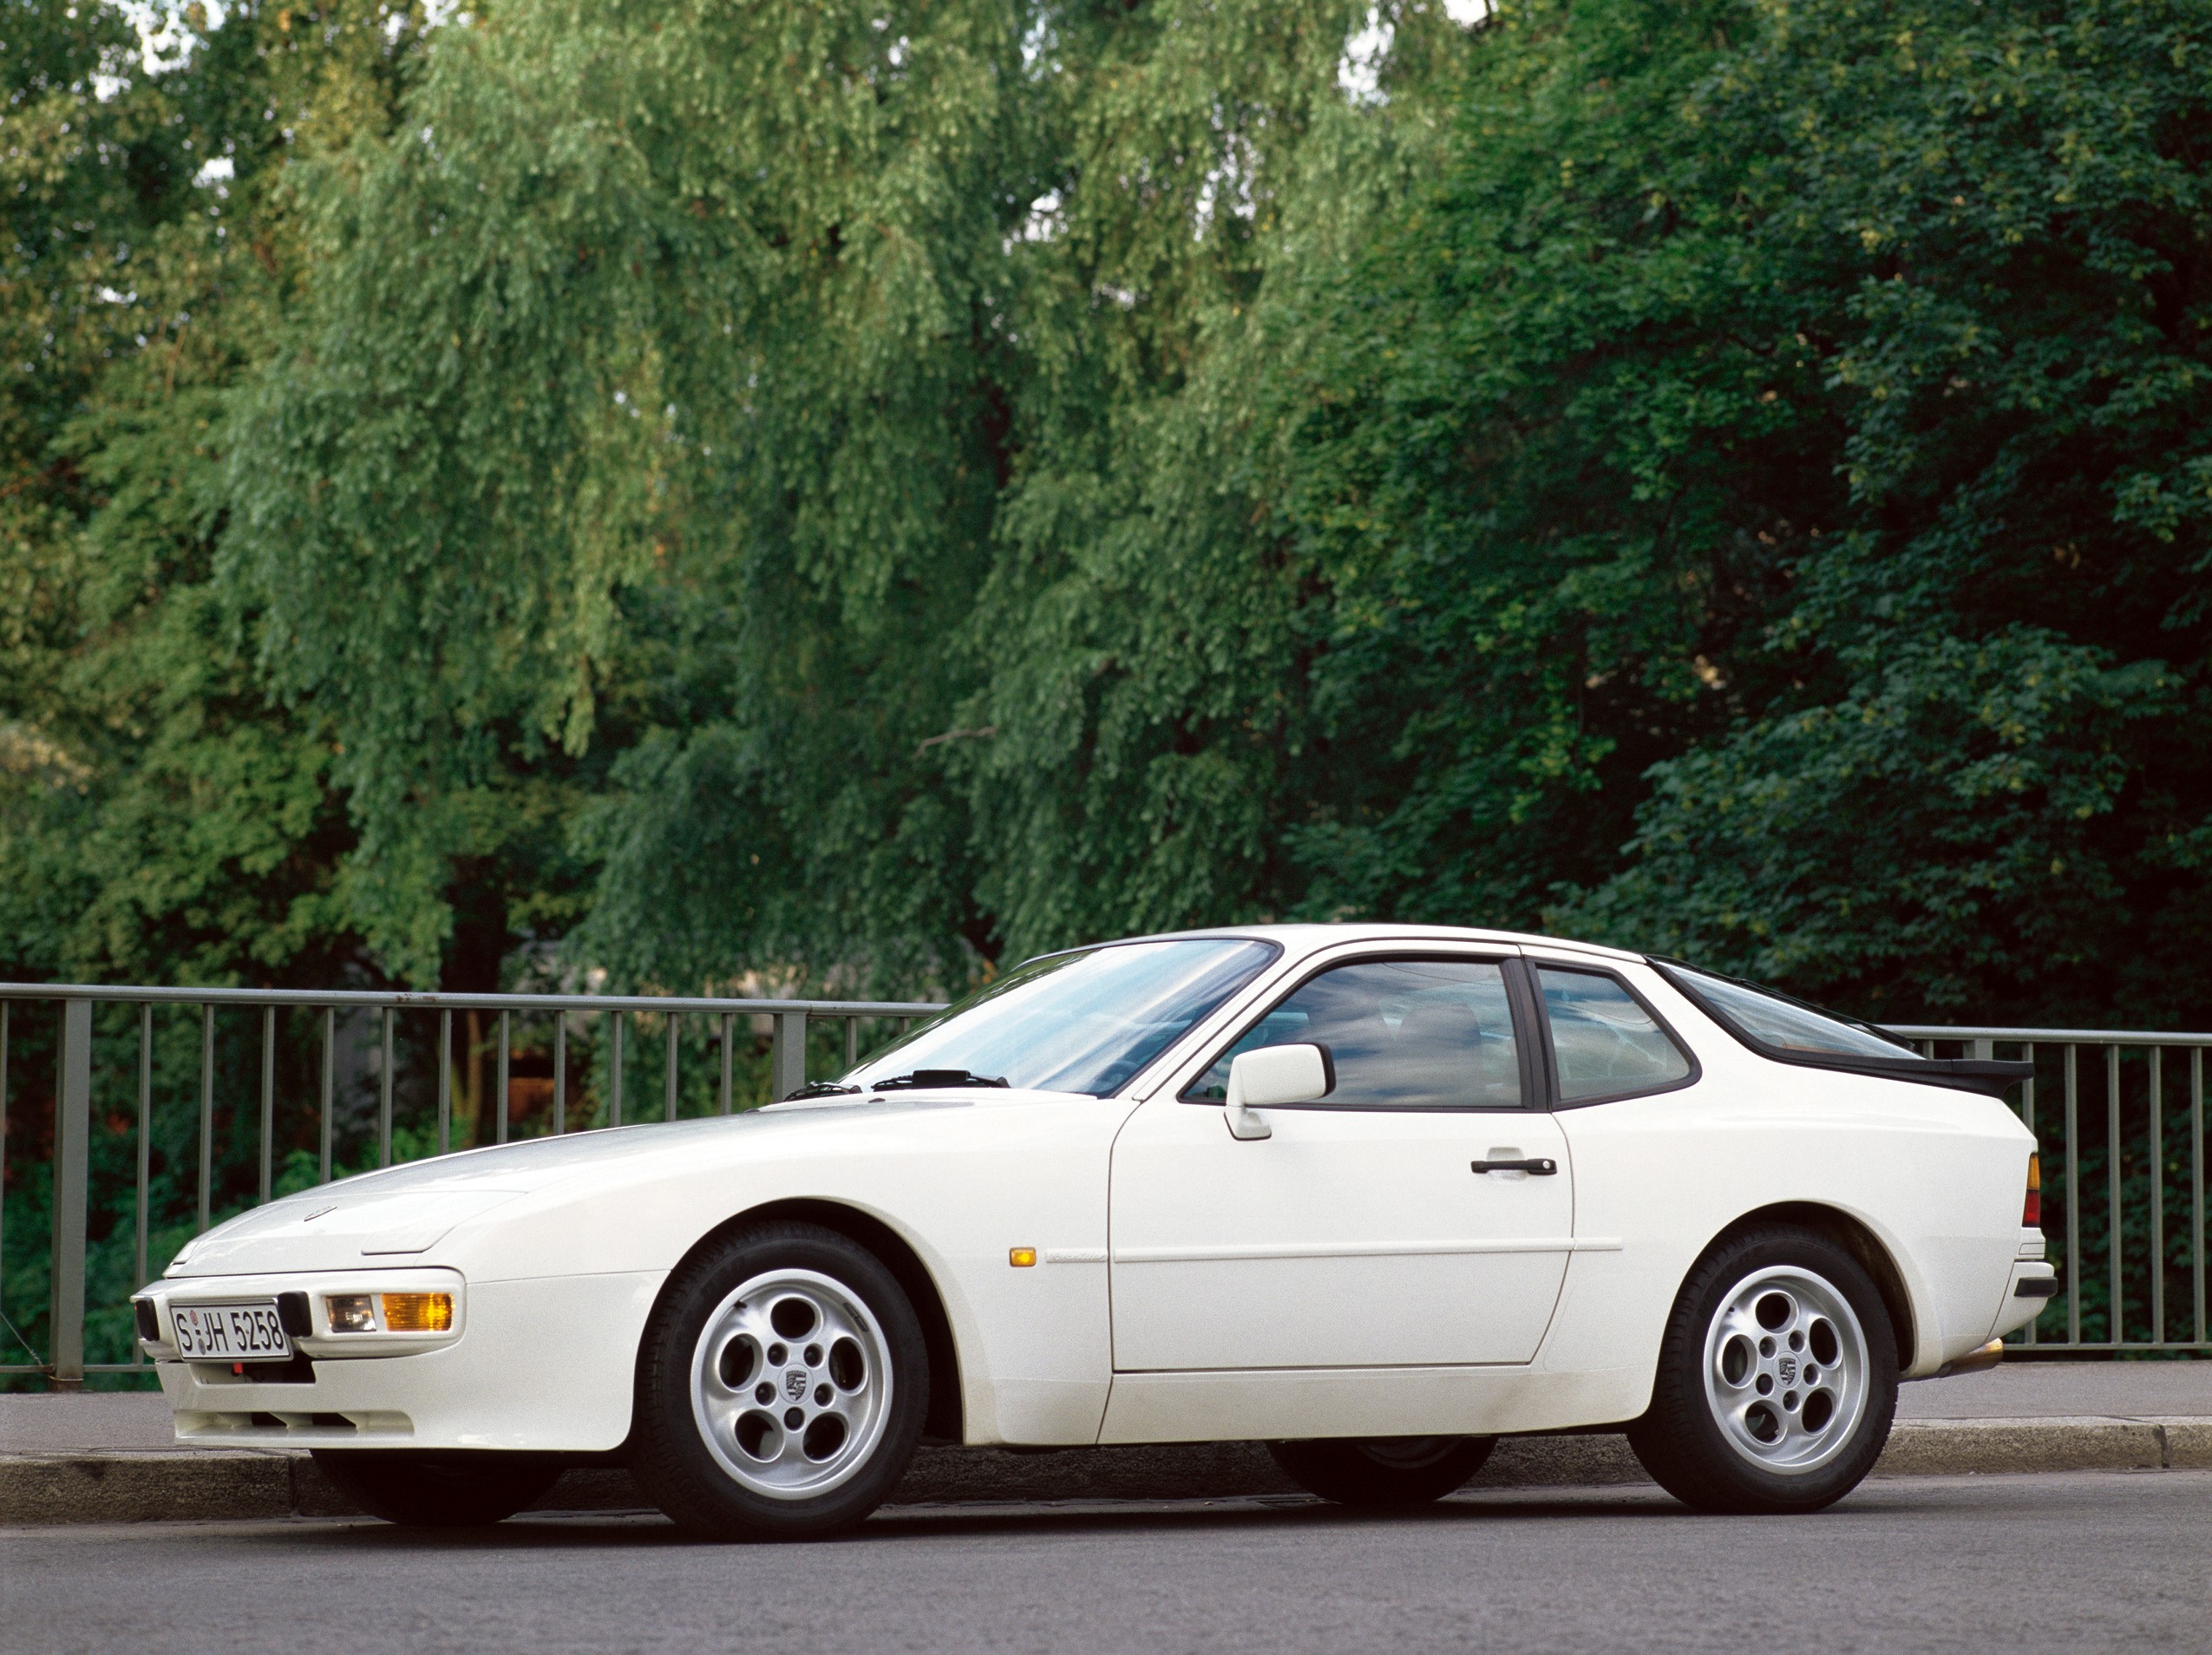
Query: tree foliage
x=157 y=816
x=805 y=391
x=1780 y=426
x=847 y=491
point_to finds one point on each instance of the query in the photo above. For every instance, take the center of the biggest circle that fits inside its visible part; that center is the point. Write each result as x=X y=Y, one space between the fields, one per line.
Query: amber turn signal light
x=1021 y=1258
x=2032 y=1214
x=417 y=1312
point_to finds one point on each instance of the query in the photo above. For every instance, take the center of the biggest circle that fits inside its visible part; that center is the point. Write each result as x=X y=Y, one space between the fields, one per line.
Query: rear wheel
x=1777 y=1381
x=781 y=1387
x=431 y=1489
x=1382 y=1471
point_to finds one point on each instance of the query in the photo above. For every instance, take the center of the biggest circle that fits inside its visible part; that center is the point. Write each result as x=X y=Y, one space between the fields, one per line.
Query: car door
x=1372 y=1228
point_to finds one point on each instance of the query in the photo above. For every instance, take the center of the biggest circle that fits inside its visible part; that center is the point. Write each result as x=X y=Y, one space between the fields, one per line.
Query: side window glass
x=1404 y=1034
x=1603 y=1041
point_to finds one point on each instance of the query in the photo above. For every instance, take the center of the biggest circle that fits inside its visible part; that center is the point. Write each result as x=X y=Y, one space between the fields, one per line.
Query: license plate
x=244 y=1332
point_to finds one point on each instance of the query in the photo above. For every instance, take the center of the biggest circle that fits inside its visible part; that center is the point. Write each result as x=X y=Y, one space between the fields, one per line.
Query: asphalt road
x=2091 y=1560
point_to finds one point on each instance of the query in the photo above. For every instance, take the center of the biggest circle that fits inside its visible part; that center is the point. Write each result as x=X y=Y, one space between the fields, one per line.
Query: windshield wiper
x=819 y=1089
x=937 y=1078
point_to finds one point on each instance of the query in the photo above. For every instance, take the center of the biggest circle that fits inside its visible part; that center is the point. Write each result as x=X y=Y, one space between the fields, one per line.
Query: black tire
x=1684 y=1439
x=429 y=1488
x=1382 y=1471
x=698 y=1482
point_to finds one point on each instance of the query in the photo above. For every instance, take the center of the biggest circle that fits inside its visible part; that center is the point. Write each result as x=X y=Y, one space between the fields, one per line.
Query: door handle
x=1536 y=1165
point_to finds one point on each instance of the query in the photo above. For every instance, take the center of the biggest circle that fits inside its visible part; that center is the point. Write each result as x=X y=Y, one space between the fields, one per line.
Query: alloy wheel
x=791 y=1384
x=1786 y=1369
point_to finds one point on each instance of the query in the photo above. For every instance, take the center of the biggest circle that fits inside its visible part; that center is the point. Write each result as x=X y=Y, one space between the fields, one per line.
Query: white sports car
x=1375 y=1194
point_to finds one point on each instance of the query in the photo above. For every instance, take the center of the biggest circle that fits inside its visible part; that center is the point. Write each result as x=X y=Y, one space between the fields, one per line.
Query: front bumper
x=547 y=1363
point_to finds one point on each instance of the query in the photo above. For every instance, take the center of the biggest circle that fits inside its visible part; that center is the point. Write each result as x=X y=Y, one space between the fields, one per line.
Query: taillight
x=2031 y=1214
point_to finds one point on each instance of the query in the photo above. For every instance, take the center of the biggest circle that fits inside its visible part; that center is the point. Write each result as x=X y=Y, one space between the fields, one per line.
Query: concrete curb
x=127 y=1486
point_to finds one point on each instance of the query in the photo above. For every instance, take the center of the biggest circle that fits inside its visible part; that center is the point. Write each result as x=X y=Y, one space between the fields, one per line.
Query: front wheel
x=782 y=1388
x=1382 y=1471
x=458 y=1488
x=1777 y=1381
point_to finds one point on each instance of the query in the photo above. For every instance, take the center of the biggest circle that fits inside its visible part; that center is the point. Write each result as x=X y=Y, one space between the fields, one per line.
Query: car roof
x=1307 y=939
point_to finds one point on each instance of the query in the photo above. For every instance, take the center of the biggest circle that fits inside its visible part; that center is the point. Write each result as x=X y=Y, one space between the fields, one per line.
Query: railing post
x=2157 y=1195
x=72 y=1164
x=6 y=1007
x=669 y=1075
x=787 y=1058
x=2027 y=1119
x=268 y=1098
x=560 y=1073
x=206 y=1115
x=2115 y=1254
x=139 y=1277
x=2196 y=1240
x=614 y=1072
x=445 y=1081
x=384 y=1095
x=2073 y=1195
x=330 y=1082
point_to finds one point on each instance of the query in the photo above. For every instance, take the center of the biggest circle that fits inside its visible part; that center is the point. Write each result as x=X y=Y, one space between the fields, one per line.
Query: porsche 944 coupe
x=1375 y=1195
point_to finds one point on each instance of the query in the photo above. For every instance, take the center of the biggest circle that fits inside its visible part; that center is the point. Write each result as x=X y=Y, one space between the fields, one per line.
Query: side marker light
x=1021 y=1258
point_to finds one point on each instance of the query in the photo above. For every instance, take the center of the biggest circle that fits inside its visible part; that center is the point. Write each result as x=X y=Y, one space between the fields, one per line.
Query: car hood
x=393 y=1217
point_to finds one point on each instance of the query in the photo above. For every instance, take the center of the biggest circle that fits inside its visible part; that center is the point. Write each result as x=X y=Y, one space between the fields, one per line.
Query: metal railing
x=69 y=1048
x=2131 y=1118
x=2120 y=1116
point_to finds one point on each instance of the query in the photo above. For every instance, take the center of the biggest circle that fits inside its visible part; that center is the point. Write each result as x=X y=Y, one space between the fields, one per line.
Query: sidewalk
x=109 y=1457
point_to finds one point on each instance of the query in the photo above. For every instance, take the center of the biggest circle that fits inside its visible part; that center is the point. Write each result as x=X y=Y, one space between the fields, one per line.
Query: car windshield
x=1775 y=1020
x=1082 y=1021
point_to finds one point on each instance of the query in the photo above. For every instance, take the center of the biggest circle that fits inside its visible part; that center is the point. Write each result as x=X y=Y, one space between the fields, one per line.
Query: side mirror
x=1275 y=1075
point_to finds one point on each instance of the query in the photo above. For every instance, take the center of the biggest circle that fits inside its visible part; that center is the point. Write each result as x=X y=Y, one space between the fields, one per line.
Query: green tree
x=851 y=491
x=157 y=816
x=1146 y=634
x=1778 y=444
x=160 y=819
x=717 y=388
x=642 y=408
